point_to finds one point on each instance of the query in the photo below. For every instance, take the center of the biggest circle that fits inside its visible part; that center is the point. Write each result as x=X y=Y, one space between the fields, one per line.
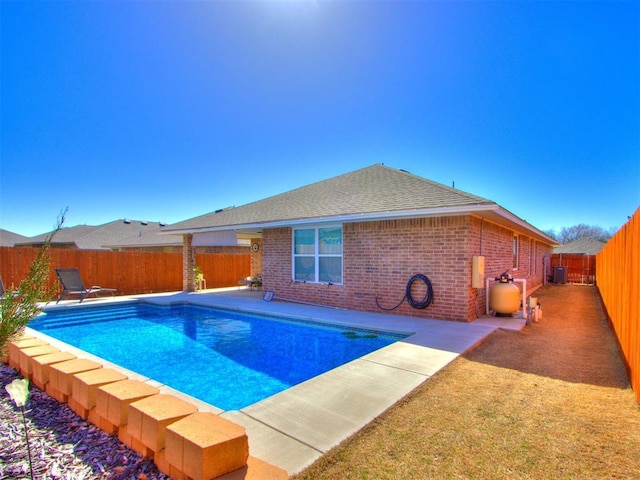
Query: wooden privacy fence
x=618 y=280
x=223 y=270
x=129 y=272
x=580 y=268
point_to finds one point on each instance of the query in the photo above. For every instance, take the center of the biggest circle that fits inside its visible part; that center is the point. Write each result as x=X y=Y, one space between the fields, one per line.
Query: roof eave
x=359 y=217
x=491 y=211
x=521 y=226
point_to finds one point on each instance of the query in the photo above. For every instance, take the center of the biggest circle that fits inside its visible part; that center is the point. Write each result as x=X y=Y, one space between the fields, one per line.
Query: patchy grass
x=552 y=401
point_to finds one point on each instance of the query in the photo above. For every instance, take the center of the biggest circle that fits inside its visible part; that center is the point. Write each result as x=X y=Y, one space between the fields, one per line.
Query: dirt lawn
x=551 y=401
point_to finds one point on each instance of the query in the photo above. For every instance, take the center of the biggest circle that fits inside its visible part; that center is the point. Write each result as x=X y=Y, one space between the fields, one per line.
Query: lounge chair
x=3 y=292
x=2 y=289
x=245 y=282
x=72 y=284
x=250 y=283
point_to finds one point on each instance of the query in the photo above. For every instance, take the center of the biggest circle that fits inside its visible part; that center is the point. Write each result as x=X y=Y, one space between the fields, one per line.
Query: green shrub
x=23 y=303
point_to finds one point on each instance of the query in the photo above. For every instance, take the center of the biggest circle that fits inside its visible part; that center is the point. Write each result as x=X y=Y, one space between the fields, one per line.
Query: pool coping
x=293 y=428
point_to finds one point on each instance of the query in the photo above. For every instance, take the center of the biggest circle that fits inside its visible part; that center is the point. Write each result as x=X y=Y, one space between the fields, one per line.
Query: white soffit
x=225 y=238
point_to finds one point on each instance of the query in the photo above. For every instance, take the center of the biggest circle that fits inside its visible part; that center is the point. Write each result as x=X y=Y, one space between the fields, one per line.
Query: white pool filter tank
x=504 y=298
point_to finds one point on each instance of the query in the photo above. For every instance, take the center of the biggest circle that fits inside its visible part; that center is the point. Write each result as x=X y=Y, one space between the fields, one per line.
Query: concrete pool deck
x=294 y=428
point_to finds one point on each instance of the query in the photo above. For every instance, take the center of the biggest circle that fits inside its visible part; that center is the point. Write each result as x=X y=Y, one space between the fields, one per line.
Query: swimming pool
x=226 y=358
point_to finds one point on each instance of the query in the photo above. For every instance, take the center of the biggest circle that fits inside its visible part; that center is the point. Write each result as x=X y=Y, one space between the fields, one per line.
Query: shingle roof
x=97 y=237
x=149 y=238
x=373 y=190
x=8 y=239
x=582 y=246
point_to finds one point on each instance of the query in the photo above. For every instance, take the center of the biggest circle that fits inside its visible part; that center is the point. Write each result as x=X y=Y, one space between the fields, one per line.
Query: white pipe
x=487 y=311
x=524 y=296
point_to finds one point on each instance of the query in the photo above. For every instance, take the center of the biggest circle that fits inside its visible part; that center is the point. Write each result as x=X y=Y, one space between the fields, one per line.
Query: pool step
x=53 y=320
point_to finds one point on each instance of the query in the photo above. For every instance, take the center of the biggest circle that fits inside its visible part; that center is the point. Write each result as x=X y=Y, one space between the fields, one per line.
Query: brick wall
x=380 y=258
x=276 y=260
x=256 y=258
x=495 y=243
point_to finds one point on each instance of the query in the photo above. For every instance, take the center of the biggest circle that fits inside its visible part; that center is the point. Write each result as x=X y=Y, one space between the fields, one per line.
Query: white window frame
x=316 y=253
x=515 y=251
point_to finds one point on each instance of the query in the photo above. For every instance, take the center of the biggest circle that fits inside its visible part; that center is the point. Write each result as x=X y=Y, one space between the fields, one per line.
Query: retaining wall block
x=205 y=446
x=113 y=400
x=61 y=376
x=26 y=356
x=16 y=345
x=40 y=366
x=149 y=417
x=85 y=385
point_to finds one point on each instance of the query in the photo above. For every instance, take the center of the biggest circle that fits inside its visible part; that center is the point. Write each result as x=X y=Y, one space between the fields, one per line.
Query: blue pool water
x=225 y=358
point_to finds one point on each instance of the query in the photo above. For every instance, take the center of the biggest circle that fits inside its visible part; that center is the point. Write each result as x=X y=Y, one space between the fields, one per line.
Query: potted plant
x=198 y=277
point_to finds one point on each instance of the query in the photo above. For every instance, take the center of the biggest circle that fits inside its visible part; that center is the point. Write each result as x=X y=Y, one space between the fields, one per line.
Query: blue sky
x=165 y=110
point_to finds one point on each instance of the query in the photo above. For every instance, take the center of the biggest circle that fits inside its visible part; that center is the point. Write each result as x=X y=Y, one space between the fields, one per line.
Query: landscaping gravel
x=63 y=445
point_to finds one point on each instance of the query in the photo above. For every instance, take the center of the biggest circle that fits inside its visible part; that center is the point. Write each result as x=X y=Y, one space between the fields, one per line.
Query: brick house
x=356 y=240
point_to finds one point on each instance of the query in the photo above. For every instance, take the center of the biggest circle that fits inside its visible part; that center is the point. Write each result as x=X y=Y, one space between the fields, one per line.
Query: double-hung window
x=317 y=254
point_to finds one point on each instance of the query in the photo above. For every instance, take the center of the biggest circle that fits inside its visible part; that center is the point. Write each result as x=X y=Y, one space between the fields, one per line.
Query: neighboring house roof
x=582 y=246
x=373 y=193
x=96 y=237
x=8 y=239
x=147 y=239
